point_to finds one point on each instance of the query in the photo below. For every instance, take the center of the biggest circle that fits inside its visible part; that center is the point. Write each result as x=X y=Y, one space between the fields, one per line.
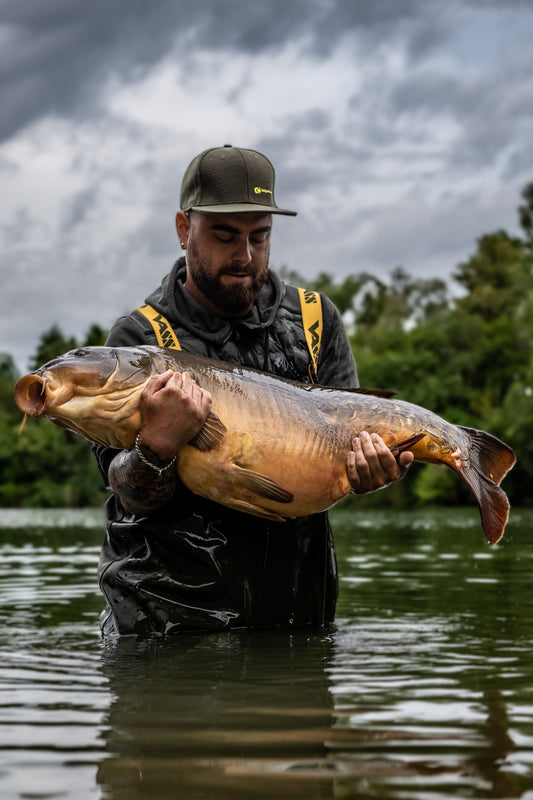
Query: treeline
x=467 y=357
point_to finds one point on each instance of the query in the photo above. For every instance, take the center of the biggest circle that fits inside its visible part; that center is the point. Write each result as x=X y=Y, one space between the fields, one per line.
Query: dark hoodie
x=194 y=564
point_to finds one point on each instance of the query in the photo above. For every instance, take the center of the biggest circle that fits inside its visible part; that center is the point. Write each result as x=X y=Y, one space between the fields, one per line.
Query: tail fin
x=492 y=501
x=490 y=461
x=492 y=457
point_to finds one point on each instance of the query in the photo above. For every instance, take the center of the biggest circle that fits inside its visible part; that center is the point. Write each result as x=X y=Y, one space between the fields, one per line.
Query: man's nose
x=242 y=252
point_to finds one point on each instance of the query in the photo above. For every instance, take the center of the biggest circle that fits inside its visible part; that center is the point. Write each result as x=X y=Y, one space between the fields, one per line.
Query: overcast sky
x=400 y=130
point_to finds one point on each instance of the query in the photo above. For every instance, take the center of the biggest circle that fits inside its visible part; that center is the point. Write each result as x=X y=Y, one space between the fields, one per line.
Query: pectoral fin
x=211 y=435
x=263 y=485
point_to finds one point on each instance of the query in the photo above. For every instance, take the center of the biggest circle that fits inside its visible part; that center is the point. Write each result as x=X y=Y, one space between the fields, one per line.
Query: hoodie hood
x=174 y=301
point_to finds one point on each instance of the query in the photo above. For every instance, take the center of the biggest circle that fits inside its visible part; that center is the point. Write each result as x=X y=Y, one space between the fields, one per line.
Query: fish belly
x=273 y=476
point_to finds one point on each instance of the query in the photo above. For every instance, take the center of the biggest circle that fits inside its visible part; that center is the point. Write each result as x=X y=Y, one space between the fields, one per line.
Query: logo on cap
x=259 y=190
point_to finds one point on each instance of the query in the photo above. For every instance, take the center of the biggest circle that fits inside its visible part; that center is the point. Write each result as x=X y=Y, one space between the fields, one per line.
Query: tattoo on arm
x=139 y=488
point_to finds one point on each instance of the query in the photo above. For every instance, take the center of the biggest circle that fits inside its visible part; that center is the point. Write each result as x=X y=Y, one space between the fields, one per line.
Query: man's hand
x=173 y=409
x=371 y=465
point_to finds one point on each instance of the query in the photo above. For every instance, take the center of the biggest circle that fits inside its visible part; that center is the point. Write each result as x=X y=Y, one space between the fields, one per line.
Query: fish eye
x=81 y=351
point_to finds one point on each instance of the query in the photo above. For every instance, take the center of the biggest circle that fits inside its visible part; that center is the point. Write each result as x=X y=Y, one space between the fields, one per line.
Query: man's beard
x=233 y=300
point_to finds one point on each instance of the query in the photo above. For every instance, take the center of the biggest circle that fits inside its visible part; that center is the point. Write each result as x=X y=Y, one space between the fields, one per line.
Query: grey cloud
x=491 y=114
x=12 y=232
x=57 y=54
x=78 y=207
x=429 y=92
x=315 y=164
x=369 y=196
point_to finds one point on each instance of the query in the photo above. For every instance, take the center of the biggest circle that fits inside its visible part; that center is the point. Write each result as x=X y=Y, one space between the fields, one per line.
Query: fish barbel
x=270 y=447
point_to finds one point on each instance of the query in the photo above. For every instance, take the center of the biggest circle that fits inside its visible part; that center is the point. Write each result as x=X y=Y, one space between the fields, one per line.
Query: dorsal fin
x=385 y=394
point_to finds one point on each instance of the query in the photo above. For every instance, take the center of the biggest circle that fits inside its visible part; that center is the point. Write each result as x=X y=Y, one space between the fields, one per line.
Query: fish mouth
x=40 y=394
x=30 y=395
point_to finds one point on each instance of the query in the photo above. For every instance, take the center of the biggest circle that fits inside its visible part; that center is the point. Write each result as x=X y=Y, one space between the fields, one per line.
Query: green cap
x=230 y=180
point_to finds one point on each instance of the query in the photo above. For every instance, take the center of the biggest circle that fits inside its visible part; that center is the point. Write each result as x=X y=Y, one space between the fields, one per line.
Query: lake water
x=422 y=689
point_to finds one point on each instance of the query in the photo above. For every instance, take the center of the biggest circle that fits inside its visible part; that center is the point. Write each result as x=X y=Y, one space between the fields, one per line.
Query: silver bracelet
x=143 y=458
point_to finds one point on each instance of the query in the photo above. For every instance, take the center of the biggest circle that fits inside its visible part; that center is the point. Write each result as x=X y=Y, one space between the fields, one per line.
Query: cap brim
x=242 y=208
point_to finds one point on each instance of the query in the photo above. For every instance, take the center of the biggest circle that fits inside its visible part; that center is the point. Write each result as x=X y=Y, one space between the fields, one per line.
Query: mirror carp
x=270 y=447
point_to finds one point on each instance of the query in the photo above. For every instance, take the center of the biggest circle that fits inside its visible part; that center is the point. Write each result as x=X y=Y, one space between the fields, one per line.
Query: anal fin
x=256 y=511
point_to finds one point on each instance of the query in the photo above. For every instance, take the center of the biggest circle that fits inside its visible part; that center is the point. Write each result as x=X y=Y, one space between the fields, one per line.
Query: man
x=172 y=560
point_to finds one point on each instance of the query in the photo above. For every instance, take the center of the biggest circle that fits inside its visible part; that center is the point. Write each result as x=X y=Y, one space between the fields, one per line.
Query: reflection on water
x=422 y=689
x=220 y=711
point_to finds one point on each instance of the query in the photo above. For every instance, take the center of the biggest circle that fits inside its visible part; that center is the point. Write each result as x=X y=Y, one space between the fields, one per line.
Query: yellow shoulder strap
x=311 y=316
x=162 y=327
x=312 y=319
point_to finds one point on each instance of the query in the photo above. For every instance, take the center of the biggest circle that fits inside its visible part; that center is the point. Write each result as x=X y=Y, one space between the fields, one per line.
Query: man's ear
x=183 y=226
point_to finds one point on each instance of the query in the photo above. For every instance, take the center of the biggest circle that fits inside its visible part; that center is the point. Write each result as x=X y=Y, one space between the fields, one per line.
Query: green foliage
x=51 y=345
x=8 y=377
x=95 y=337
x=525 y=213
x=47 y=466
x=495 y=277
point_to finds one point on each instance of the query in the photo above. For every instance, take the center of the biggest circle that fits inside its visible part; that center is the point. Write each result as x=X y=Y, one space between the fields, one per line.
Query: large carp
x=270 y=447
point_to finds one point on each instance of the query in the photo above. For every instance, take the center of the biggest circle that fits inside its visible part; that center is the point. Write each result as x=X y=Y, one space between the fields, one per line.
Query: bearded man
x=172 y=560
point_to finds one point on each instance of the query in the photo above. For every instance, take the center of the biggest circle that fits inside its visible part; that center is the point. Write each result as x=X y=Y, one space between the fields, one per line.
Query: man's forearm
x=140 y=488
